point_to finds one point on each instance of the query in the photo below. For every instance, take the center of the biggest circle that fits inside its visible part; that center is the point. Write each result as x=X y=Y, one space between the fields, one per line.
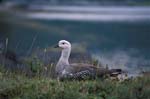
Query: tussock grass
x=14 y=86
x=35 y=83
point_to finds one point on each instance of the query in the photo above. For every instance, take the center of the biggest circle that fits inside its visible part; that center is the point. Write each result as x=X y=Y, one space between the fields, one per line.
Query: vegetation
x=20 y=86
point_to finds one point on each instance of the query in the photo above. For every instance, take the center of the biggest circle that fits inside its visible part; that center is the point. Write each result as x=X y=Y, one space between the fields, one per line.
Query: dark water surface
x=95 y=35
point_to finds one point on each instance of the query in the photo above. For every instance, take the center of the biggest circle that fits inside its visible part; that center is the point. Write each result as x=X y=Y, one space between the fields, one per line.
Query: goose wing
x=81 y=71
x=88 y=69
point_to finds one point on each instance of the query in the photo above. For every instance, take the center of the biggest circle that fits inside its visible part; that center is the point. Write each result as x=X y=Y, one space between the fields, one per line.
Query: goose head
x=63 y=44
x=66 y=49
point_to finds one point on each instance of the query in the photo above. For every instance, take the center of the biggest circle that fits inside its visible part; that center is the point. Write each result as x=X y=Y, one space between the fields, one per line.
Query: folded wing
x=87 y=71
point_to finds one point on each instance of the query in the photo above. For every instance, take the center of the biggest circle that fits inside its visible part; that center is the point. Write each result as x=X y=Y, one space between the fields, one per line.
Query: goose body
x=79 y=71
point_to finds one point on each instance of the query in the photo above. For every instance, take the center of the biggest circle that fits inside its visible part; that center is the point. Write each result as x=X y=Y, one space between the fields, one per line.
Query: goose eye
x=63 y=43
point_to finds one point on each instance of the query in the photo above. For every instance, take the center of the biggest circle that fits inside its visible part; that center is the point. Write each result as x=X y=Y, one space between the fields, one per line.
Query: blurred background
x=116 y=32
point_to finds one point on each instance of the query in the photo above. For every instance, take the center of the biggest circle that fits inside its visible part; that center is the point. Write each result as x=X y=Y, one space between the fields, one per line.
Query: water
x=91 y=13
x=118 y=36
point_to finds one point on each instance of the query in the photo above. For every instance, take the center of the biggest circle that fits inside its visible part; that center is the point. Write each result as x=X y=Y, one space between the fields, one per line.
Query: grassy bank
x=14 y=86
x=35 y=82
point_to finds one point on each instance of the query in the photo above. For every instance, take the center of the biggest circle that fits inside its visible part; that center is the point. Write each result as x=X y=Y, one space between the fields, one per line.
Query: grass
x=19 y=85
x=14 y=86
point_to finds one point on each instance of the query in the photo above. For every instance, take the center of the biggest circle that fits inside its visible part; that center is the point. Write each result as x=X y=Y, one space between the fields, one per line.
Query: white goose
x=77 y=70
